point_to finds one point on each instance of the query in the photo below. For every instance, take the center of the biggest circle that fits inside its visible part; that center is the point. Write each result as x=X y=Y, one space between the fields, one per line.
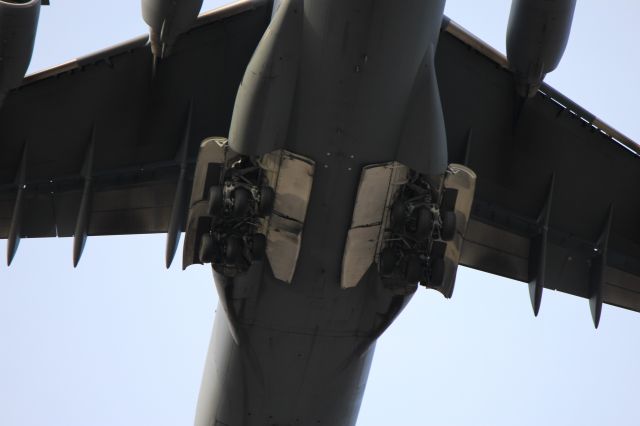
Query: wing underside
x=555 y=201
x=554 y=206
x=134 y=123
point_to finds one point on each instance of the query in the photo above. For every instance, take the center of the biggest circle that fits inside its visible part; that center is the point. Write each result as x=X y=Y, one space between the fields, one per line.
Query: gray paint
x=515 y=166
x=287 y=354
x=167 y=19
x=139 y=127
x=537 y=35
x=350 y=111
x=18 y=25
x=263 y=105
x=300 y=352
x=423 y=142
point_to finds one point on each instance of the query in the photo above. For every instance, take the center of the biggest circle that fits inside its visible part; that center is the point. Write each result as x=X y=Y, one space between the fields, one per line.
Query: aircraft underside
x=336 y=185
x=332 y=132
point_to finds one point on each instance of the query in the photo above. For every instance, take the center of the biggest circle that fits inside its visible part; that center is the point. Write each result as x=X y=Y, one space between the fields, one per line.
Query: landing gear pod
x=459 y=189
x=230 y=197
x=410 y=225
x=18 y=25
x=244 y=209
x=378 y=188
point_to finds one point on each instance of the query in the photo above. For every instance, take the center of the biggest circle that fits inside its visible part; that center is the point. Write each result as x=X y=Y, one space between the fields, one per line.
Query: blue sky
x=121 y=341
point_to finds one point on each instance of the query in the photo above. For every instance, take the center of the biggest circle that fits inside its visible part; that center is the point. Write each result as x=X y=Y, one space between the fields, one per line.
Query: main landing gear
x=236 y=206
x=421 y=222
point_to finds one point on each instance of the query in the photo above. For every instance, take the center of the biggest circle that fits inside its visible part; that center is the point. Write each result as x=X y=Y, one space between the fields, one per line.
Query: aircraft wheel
x=241 y=202
x=388 y=261
x=414 y=269
x=258 y=246
x=437 y=272
x=267 y=198
x=398 y=218
x=216 y=201
x=425 y=224
x=448 y=230
x=205 y=254
x=233 y=250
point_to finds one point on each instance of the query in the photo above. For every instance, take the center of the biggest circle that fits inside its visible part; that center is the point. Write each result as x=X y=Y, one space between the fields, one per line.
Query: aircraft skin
x=304 y=349
x=348 y=84
x=364 y=92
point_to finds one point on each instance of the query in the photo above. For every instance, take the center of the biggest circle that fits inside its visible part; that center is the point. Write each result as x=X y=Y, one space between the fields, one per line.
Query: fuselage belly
x=299 y=353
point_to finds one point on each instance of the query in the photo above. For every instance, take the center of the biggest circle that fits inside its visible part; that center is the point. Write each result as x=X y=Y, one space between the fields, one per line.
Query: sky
x=122 y=341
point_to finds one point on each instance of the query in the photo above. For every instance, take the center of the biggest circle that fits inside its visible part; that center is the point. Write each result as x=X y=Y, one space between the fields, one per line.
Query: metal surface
x=291 y=176
x=135 y=171
x=303 y=348
x=18 y=25
x=180 y=198
x=13 y=239
x=422 y=143
x=536 y=38
x=167 y=20
x=598 y=270
x=84 y=211
x=538 y=252
x=300 y=352
x=462 y=180
x=514 y=167
x=477 y=45
x=263 y=106
x=378 y=186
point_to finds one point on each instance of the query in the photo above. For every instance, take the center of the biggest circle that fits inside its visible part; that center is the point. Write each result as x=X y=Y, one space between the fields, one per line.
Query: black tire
x=205 y=253
x=267 y=199
x=448 y=230
x=233 y=249
x=216 y=201
x=258 y=246
x=388 y=261
x=398 y=218
x=437 y=272
x=424 y=225
x=241 y=202
x=414 y=270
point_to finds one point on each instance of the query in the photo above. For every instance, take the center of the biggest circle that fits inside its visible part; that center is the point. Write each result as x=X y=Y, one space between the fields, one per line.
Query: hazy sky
x=121 y=341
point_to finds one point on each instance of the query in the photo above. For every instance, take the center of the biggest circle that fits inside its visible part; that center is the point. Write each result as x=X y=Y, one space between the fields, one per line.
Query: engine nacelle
x=167 y=19
x=18 y=25
x=537 y=35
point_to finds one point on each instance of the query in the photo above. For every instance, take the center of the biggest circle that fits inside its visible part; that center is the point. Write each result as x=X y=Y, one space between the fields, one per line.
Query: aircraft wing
x=556 y=200
x=109 y=104
x=554 y=205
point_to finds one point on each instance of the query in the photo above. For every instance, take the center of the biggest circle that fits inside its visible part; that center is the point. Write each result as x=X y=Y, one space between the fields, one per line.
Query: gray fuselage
x=300 y=353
